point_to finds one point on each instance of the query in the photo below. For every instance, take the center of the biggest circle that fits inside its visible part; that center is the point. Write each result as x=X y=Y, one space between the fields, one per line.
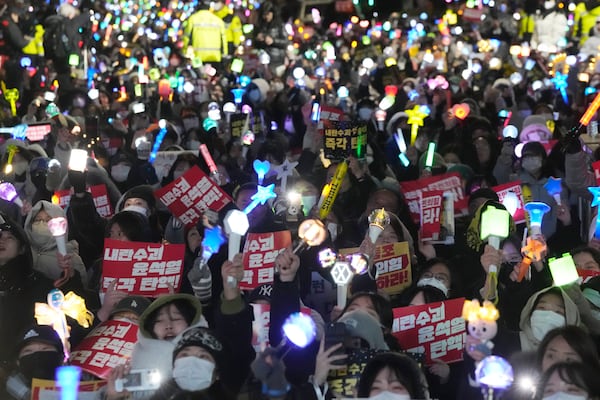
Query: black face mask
x=41 y=364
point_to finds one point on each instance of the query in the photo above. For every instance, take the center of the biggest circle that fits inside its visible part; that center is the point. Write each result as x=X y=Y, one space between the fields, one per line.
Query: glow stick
x=17 y=131
x=495 y=226
x=12 y=95
x=261 y=168
x=531 y=251
x=560 y=83
x=260 y=197
x=430 y=155
x=342 y=275
x=591 y=111
x=67 y=378
x=159 y=138
x=236 y=226
x=415 y=120
x=285 y=170
x=212 y=167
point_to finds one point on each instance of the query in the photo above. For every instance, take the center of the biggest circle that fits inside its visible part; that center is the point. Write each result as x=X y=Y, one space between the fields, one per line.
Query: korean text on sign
x=436 y=329
x=344 y=138
x=447 y=182
x=99 y=195
x=260 y=251
x=140 y=268
x=190 y=195
x=108 y=345
x=431 y=211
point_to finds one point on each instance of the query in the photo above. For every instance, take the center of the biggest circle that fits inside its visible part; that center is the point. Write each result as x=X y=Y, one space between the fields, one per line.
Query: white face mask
x=532 y=164
x=390 y=396
x=40 y=228
x=565 y=396
x=192 y=373
x=433 y=282
x=543 y=321
x=120 y=172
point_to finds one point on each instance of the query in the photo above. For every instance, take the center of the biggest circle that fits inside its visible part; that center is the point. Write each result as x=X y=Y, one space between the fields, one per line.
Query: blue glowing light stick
x=159 y=138
x=17 y=131
x=261 y=168
x=67 y=378
x=299 y=329
x=213 y=239
x=560 y=83
x=536 y=211
x=554 y=188
x=238 y=93
x=261 y=196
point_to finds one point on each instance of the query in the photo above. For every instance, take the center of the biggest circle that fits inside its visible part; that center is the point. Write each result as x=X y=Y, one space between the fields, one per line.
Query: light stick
x=238 y=93
x=560 y=83
x=401 y=143
x=312 y=232
x=9 y=193
x=563 y=270
x=511 y=202
x=430 y=155
x=247 y=139
x=67 y=378
x=261 y=168
x=58 y=228
x=17 y=131
x=554 y=188
x=461 y=111
x=236 y=226
x=285 y=170
x=299 y=329
x=596 y=201
x=536 y=211
x=590 y=112
x=327 y=258
x=378 y=220
x=342 y=275
x=260 y=197
x=78 y=160
x=212 y=167
x=334 y=188
x=162 y=124
x=415 y=120
x=532 y=252
x=213 y=239
x=495 y=374
x=495 y=226
x=12 y=95
x=380 y=116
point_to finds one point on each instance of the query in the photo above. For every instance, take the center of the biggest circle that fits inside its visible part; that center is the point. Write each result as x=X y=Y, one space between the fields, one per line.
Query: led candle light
x=67 y=379
x=596 y=193
x=536 y=211
x=415 y=120
x=554 y=188
x=495 y=226
x=378 y=220
x=284 y=171
x=342 y=275
x=78 y=160
x=312 y=232
x=261 y=168
x=58 y=228
x=212 y=167
x=563 y=270
x=9 y=193
x=334 y=188
x=162 y=124
x=401 y=143
x=260 y=197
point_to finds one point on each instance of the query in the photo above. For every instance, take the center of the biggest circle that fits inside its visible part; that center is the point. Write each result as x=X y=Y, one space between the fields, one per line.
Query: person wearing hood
x=46 y=258
x=141 y=199
x=270 y=35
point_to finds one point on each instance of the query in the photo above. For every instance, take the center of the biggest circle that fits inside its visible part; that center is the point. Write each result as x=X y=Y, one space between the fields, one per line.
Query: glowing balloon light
x=9 y=193
x=536 y=211
x=260 y=197
x=78 y=160
x=299 y=329
x=494 y=373
x=58 y=228
x=415 y=120
x=554 y=188
x=563 y=270
x=162 y=124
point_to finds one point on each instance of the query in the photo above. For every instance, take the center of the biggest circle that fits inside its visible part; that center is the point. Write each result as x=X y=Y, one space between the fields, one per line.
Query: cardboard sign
x=110 y=344
x=392 y=262
x=42 y=389
x=515 y=187
x=344 y=138
x=431 y=213
x=260 y=251
x=165 y=159
x=99 y=195
x=262 y=322
x=450 y=182
x=140 y=268
x=238 y=122
x=343 y=382
x=436 y=329
x=328 y=116
x=596 y=167
x=190 y=195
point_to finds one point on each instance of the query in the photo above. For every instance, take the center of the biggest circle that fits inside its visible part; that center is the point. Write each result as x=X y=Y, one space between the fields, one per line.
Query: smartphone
x=139 y=379
x=336 y=332
x=529 y=64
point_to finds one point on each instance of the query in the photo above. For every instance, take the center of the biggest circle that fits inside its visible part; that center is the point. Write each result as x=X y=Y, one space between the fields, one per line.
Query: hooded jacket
x=44 y=247
x=528 y=341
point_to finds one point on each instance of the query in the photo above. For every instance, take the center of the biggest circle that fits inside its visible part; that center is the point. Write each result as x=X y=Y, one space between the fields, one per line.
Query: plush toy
x=482 y=325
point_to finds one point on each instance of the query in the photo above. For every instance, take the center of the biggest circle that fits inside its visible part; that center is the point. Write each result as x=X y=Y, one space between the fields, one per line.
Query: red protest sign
x=587 y=274
x=260 y=251
x=431 y=211
x=108 y=345
x=436 y=329
x=140 y=268
x=43 y=389
x=514 y=187
x=596 y=167
x=190 y=195
x=449 y=182
x=328 y=115
x=99 y=195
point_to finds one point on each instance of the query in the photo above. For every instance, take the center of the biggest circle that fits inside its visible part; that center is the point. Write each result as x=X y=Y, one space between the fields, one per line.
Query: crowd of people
x=349 y=107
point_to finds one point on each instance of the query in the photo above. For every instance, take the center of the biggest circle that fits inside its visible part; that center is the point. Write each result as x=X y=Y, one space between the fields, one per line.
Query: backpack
x=57 y=44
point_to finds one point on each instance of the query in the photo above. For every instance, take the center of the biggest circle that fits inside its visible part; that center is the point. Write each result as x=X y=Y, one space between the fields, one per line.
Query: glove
x=201 y=280
x=77 y=180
